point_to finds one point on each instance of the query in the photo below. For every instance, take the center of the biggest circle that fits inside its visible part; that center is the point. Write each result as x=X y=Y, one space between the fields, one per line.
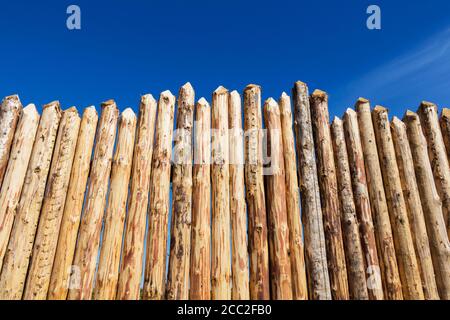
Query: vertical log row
x=315 y=247
x=444 y=121
x=129 y=282
x=91 y=222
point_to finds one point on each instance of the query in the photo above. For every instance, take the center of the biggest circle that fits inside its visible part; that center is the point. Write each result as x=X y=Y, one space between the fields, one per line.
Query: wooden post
x=316 y=257
x=406 y=257
x=280 y=265
x=44 y=249
x=108 y=265
x=238 y=208
x=177 y=287
x=438 y=156
x=86 y=251
x=129 y=284
x=329 y=196
x=9 y=116
x=200 y=271
x=444 y=121
x=354 y=252
x=380 y=214
x=362 y=205
x=297 y=254
x=431 y=204
x=414 y=208
x=155 y=268
x=15 y=264
x=15 y=173
x=256 y=207
x=62 y=265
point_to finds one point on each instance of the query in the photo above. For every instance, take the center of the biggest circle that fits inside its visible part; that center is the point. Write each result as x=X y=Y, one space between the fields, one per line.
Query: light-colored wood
x=414 y=208
x=404 y=246
x=155 y=267
x=108 y=264
x=86 y=251
x=238 y=208
x=431 y=204
x=177 y=287
x=62 y=265
x=353 y=249
x=280 y=264
x=315 y=247
x=296 y=248
x=17 y=257
x=444 y=121
x=129 y=285
x=380 y=214
x=438 y=156
x=331 y=210
x=10 y=111
x=200 y=269
x=46 y=240
x=220 y=181
x=362 y=205
x=15 y=173
x=256 y=206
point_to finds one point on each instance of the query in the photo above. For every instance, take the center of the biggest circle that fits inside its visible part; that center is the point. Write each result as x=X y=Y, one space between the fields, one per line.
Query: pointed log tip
x=349 y=112
x=53 y=105
x=220 y=90
x=284 y=95
x=300 y=83
x=109 y=103
x=148 y=99
x=445 y=113
x=271 y=103
x=13 y=98
x=72 y=109
x=235 y=94
x=167 y=96
x=128 y=113
x=410 y=115
x=396 y=122
x=380 y=109
x=252 y=87
x=427 y=105
x=319 y=95
x=362 y=100
x=336 y=121
x=30 y=109
x=187 y=87
x=202 y=102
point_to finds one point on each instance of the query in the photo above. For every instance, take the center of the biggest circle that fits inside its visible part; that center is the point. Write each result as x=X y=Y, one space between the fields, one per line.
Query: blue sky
x=129 y=48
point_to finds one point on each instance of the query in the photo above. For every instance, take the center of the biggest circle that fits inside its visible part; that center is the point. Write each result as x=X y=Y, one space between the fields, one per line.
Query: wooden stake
x=316 y=257
x=200 y=271
x=414 y=208
x=44 y=249
x=238 y=208
x=15 y=264
x=86 y=251
x=444 y=121
x=296 y=248
x=406 y=257
x=280 y=264
x=15 y=173
x=180 y=245
x=129 y=284
x=354 y=252
x=9 y=116
x=438 y=157
x=362 y=205
x=257 y=220
x=329 y=196
x=108 y=265
x=155 y=268
x=431 y=204
x=62 y=265
x=385 y=242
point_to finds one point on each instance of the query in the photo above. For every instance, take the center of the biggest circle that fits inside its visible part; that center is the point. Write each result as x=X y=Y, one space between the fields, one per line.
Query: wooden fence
x=257 y=201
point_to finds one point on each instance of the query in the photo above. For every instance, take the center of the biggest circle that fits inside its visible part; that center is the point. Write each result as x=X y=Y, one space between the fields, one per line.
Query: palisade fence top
x=298 y=208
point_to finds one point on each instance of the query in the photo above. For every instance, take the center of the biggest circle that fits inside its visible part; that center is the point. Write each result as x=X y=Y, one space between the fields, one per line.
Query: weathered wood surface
x=256 y=206
x=129 y=283
x=13 y=181
x=404 y=247
x=362 y=205
x=296 y=247
x=238 y=208
x=62 y=264
x=315 y=246
x=380 y=213
x=155 y=268
x=17 y=257
x=431 y=204
x=86 y=251
x=414 y=208
x=200 y=267
x=177 y=286
x=331 y=210
x=109 y=259
x=39 y=273
x=350 y=227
